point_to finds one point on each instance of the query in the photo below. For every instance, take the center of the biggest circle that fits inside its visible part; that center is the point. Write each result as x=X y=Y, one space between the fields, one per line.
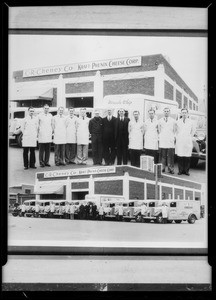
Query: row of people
x=110 y=137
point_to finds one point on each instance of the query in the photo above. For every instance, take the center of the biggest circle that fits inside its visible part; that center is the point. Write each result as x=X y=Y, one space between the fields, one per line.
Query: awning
x=33 y=94
x=49 y=188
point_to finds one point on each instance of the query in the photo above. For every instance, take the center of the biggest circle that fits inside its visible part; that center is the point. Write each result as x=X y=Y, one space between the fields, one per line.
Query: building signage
x=82 y=67
x=78 y=172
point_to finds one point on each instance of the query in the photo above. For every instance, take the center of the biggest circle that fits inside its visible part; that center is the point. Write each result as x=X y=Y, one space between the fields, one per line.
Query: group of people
x=111 y=137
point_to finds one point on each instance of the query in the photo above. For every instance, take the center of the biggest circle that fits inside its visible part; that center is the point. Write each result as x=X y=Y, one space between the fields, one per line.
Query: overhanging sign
x=78 y=172
x=82 y=67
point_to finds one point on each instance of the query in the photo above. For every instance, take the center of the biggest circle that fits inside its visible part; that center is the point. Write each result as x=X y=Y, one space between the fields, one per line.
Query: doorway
x=79 y=195
x=79 y=102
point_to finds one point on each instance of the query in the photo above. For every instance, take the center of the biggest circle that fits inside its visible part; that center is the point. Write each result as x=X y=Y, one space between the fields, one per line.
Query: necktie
x=166 y=119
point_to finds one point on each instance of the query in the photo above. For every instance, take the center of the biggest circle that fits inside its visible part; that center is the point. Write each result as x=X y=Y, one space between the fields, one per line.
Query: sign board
x=147 y=163
x=78 y=172
x=83 y=67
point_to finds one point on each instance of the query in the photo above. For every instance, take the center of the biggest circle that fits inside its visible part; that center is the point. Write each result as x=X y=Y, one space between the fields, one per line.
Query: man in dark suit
x=121 y=137
x=109 y=138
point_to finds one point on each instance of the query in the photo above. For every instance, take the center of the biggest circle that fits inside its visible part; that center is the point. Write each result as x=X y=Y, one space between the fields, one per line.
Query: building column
x=98 y=90
x=37 y=197
x=61 y=101
x=159 y=83
x=91 y=185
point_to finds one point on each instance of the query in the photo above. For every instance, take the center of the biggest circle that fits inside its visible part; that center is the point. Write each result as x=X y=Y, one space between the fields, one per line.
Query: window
x=152 y=204
x=173 y=204
x=27 y=191
x=19 y=114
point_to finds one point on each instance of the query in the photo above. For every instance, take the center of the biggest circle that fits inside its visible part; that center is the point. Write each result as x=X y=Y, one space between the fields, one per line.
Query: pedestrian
x=52 y=209
x=30 y=131
x=71 y=137
x=81 y=211
x=136 y=131
x=37 y=209
x=67 y=210
x=120 y=212
x=164 y=213
x=166 y=126
x=94 y=211
x=143 y=212
x=109 y=151
x=59 y=128
x=151 y=135
x=121 y=137
x=101 y=212
x=45 y=131
x=184 y=142
x=23 y=209
x=96 y=131
x=72 y=211
x=82 y=137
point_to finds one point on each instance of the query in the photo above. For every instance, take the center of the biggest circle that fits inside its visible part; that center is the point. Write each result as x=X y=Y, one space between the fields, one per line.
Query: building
x=20 y=193
x=127 y=181
x=87 y=84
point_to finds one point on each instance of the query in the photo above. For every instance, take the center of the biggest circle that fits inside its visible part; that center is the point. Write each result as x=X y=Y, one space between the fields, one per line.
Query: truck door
x=172 y=215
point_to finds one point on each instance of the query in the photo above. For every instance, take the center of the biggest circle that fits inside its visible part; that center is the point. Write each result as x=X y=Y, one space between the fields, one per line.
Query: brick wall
x=168 y=90
x=113 y=187
x=129 y=86
x=81 y=87
x=136 y=190
x=179 y=98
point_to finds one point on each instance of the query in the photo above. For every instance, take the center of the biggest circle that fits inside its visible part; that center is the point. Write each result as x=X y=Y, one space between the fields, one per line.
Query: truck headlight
x=201 y=136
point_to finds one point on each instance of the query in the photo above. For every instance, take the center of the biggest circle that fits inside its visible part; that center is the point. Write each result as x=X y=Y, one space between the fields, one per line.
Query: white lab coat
x=136 y=130
x=30 y=131
x=143 y=209
x=184 y=135
x=164 y=211
x=151 y=134
x=71 y=130
x=45 y=128
x=82 y=131
x=59 y=129
x=166 y=133
x=120 y=211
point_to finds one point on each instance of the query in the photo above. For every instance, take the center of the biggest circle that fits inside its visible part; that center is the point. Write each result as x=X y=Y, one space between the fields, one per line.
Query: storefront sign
x=82 y=67
x=78 y=172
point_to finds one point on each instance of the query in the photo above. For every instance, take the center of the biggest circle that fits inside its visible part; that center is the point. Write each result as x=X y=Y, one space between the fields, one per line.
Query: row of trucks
x=116 y=208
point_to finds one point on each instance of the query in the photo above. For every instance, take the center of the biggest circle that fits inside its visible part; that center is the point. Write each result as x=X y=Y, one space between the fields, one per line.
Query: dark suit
x=122 y=140
x=109 y=140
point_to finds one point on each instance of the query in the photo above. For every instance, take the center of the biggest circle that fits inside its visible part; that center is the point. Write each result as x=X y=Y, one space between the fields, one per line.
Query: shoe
x=73 y=163
x=42 y=166
x=33 y=167
x=179 y=173
x=171 y=172
x=57 y=164
x=63 y=164
x=187 y=173
x=25 y=168
x=47 y=165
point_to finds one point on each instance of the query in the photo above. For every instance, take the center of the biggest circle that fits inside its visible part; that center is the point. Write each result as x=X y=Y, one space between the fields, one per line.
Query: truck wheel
x=194 y=161
x=191 y=219
x=177 y=221
x=19 y=140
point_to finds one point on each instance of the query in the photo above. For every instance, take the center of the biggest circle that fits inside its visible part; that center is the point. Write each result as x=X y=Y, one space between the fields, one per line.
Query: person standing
x=82 y=126
x=45 y=136
x=143 y=212
x=96 y=131
x=136 y=131
x=101 y=212
x=164 y=213
x=121 y=137
x=23 y=209
x=166 y=126
x=59 y=128
x=71 y=137
x=30 y=131
x=184 y=143
x=72 y=211
x=109 y=138
x=151 y=136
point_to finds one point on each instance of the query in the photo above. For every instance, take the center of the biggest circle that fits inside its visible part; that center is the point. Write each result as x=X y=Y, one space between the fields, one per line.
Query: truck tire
x=19 y=140
x=191 y=219
x=177 y=221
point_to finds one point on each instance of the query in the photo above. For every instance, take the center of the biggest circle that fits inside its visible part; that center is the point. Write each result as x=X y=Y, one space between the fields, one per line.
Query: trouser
x=72 y=216
x=109 y=153
x=167 y=158
x=164 y=220
x=153 y=153
x=30 y=163
x=135 y=157
x=59 y=153
x=97 y=148
x=82 y=154
x=122 y=153
x=70 y=153
x=183 y=164
x=44 y=153
x=100 y=217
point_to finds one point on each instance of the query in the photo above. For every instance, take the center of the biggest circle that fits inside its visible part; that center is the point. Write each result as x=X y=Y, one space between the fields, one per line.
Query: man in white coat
x=59 y=128
x=45 y=136
x=151 y=135
x=82 y=137
x=30 y=131
x=166 y=126
x=184 y=144
x=71 y=137
x=136 y=131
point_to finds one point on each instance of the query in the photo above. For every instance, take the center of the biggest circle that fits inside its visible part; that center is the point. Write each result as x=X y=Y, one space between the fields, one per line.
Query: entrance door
x=79 y=195
x=79 y=102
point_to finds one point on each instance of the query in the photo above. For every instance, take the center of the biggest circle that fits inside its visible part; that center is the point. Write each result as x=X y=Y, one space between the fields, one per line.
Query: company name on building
x=82 y=67
x=78 y=172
